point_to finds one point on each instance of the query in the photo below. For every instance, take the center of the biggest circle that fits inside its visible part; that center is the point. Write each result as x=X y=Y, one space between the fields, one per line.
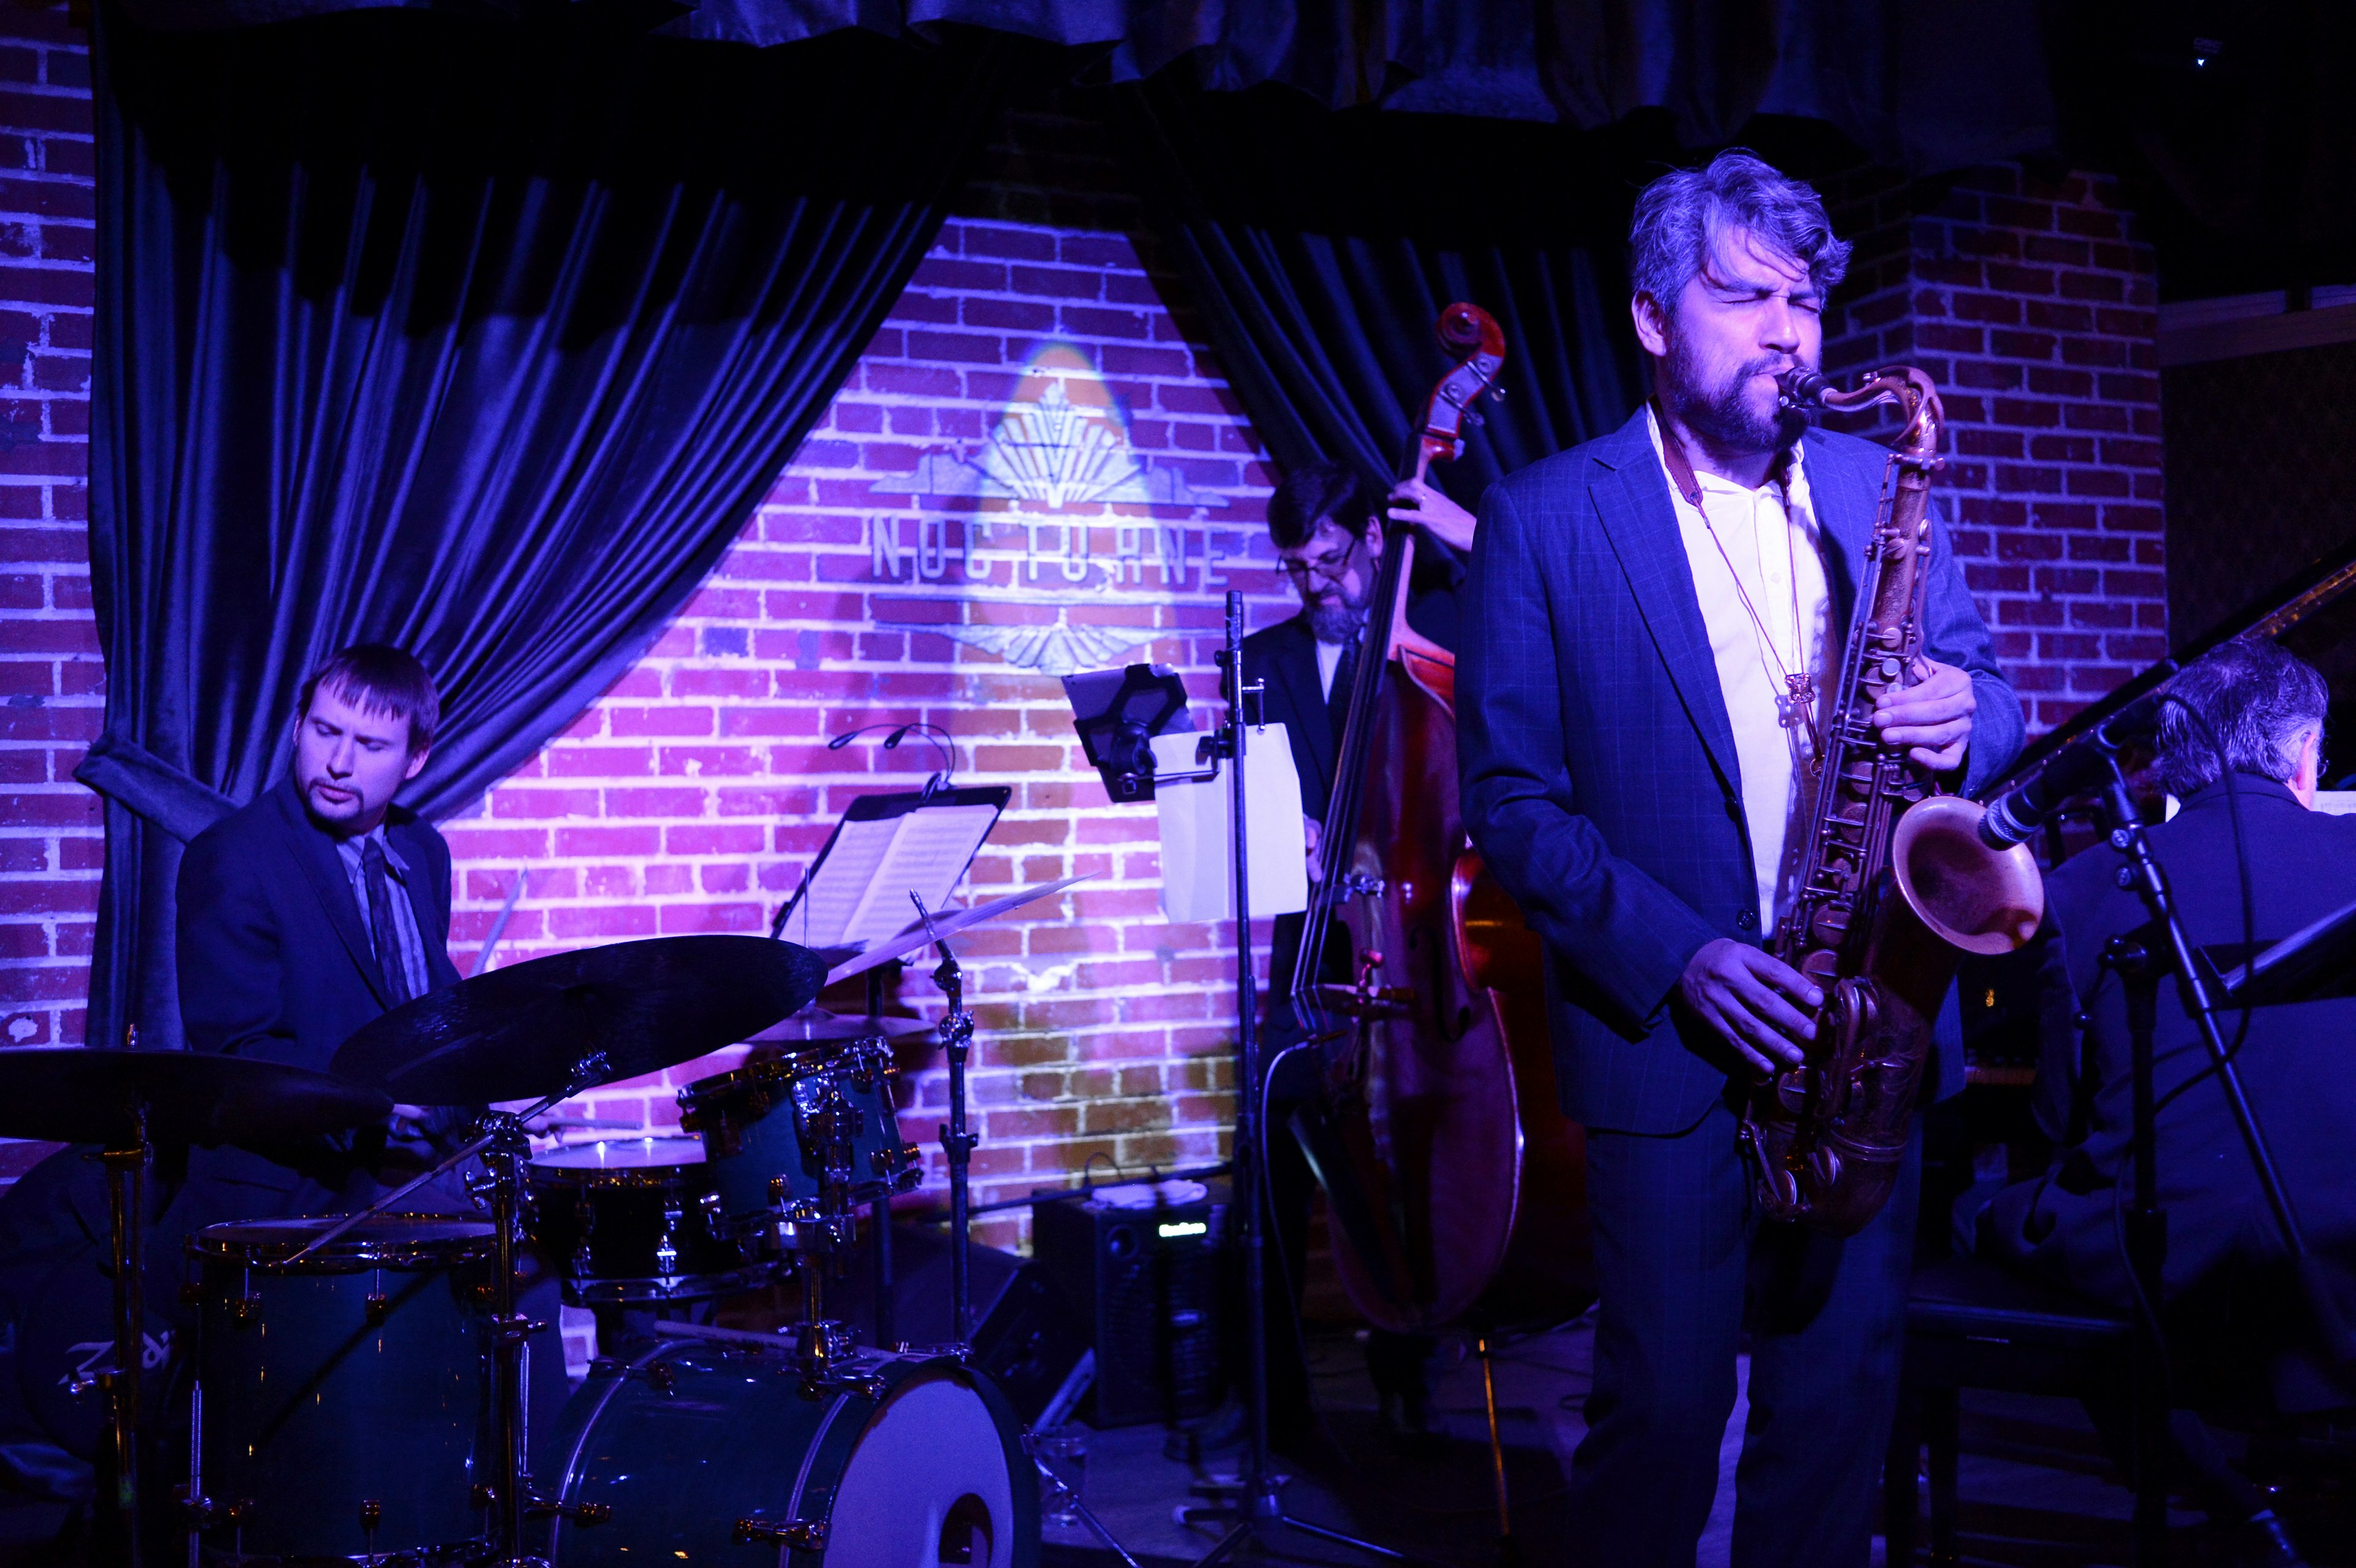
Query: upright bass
x=1436 y=1136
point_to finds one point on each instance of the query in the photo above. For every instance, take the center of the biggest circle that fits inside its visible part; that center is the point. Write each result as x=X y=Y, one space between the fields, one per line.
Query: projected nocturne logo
x=1055 y=510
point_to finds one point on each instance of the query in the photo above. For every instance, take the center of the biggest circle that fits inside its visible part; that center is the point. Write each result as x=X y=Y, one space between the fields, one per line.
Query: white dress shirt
x=1329 y=660
x=407 y=942
x=1770 y=540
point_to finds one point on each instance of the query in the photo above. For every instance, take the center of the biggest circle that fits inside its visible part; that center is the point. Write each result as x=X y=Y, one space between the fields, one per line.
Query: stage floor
x=2035 y=1489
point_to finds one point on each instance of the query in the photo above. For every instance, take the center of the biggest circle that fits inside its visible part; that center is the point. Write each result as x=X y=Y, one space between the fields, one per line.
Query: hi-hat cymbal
x=574 y=1020
x=815 y=1025
x=74 y=1094
x=945 y=922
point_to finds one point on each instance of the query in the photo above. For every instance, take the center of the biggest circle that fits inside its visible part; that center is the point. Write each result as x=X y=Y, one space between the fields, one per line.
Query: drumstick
x=499 y=927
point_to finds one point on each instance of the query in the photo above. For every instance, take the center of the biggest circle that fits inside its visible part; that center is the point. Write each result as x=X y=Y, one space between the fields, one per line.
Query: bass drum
x=706 y=1452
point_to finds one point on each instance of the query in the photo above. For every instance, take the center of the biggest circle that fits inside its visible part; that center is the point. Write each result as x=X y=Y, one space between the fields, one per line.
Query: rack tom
x=341 y=1397
x=635 y=1221
x=816 y=1129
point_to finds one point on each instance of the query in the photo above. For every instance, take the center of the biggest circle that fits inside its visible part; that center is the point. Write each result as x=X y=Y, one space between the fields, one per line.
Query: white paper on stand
x=1198 y=867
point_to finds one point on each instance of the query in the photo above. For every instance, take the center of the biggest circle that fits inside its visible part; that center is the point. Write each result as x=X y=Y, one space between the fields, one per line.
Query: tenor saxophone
x=1894 y=885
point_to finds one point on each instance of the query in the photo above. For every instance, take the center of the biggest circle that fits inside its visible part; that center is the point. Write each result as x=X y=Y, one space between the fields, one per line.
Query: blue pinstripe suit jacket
x=1598 y=764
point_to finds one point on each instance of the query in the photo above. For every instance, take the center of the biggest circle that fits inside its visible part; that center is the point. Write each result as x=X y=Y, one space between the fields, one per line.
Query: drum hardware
x=956 y=1143
x=802 y=1535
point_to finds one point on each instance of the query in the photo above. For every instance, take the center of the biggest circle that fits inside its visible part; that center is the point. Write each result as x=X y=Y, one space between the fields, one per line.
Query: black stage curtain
x=1319 y=249
x=478 y=339
x=1926 y=86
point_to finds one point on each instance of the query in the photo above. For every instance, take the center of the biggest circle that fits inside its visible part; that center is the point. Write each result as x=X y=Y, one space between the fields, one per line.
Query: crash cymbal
x=815 y=1025
x=574 y=1020
x=68 y=1094
x=947 y=923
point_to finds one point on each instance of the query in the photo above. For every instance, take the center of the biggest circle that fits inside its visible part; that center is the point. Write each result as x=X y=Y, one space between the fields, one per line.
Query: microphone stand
x=2139 y=970
x=1254 y=1503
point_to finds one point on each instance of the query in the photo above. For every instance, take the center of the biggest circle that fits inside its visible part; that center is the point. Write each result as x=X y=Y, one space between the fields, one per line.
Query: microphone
x=2015 y=815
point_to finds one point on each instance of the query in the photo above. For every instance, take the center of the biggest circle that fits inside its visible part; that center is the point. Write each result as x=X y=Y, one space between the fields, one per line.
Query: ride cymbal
x=574 y=1020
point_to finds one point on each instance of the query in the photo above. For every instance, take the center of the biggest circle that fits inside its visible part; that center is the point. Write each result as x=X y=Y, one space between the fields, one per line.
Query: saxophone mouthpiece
x=1802 y=388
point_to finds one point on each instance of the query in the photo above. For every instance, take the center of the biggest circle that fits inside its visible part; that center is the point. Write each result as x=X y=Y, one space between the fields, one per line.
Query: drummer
x=317 y=908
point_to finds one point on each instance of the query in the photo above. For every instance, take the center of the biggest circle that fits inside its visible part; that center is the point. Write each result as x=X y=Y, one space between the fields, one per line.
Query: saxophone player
x=1651 y=619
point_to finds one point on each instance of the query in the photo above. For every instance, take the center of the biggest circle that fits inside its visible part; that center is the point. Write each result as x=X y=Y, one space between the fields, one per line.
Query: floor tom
x=341 y=1395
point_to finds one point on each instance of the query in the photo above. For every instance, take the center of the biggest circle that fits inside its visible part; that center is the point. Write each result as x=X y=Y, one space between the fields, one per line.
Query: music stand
x=885 y=849
x=2311 y=965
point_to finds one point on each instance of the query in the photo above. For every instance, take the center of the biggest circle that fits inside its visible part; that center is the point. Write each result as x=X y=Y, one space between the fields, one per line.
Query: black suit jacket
x=275 y=960
x=2295 y=1064
x=1284 y=658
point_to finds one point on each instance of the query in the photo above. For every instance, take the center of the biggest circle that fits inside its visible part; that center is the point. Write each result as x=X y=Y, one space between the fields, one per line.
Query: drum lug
x=480 y=1496
x=372 y=1515
x=514 y=1330
x=663 y=1375
x=803 y=1534
x=197 y=1513
x=379 y=1308
x=244 y=1310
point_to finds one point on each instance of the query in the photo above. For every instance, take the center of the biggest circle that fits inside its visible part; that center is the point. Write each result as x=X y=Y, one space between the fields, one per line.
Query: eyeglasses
x=1333 y=565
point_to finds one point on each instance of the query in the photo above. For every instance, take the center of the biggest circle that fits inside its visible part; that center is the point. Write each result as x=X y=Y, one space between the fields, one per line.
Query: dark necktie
x=1337 y=699
x=388 y=938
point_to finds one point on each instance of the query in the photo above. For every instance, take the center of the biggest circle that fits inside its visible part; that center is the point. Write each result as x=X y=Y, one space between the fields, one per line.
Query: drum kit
x=356 y=1387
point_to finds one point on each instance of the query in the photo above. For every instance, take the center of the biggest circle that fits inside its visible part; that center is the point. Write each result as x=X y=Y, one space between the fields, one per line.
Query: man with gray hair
x=2254 y=711
x=1650 y=623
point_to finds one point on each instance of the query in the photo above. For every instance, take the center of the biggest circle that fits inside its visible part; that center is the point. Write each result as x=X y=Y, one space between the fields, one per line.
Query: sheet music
x=1198 y=865
x=927 y=855
x=839 y=884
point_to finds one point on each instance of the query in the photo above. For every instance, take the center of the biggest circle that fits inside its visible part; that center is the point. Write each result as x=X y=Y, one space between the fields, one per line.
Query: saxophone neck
x=1913 y=391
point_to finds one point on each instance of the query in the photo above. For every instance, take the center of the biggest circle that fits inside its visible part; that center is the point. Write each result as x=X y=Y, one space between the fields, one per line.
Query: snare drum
x=768 y=1129
x=342 y=1397
x=634 y=1221
x=700 y=1448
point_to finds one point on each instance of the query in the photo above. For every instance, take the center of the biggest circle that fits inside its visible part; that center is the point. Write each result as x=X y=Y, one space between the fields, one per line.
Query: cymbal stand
x=117 y=1522
x=879 y=1212
x=505 y=1149
x=956 y=1143
x=1257 y=1505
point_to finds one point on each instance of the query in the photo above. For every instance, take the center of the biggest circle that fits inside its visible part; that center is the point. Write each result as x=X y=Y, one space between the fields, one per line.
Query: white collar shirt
x=1767 y=549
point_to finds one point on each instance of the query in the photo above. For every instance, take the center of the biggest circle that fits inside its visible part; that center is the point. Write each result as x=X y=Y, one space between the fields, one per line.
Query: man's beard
x=1722 y=417
x=1338 y=618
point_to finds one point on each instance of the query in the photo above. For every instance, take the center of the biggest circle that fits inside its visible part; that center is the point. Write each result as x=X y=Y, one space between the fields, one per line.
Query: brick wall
x=873 y=586
x=2033 y=303
x=50 y=678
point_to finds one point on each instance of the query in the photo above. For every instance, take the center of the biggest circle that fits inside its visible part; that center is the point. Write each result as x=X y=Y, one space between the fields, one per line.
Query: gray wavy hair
x=2255 y=699
x=1681 y=215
